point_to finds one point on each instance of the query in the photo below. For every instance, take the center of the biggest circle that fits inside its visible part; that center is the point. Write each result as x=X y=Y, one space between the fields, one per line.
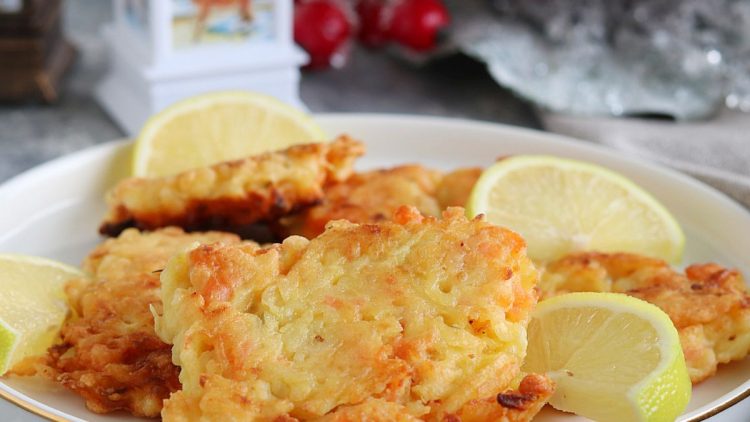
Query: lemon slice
x=613 y=357
x=32 y=305
x=216 y=127
x=561 y=206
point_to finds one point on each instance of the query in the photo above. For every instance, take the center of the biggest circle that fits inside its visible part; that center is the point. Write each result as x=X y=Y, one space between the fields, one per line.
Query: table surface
x=374 y=81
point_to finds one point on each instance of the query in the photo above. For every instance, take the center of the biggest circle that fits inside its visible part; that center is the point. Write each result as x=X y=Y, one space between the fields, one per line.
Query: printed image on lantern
x=164 y=51
x=198 y=22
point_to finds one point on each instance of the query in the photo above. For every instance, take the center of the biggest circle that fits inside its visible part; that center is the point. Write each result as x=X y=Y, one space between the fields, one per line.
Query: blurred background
x=666 y=80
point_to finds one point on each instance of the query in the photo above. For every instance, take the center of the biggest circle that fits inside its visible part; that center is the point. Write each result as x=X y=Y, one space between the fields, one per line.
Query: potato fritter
x=420 y=313
x=709 y=305
x=109 y=352
x=233 y=193
x=374 y=196
x=455 y=187
x=369 y=197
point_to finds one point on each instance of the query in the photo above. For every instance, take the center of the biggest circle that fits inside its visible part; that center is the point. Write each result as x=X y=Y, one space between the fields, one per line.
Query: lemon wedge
x=216 y=127
x=32 y=305
x=561 y=206
x=614 y=357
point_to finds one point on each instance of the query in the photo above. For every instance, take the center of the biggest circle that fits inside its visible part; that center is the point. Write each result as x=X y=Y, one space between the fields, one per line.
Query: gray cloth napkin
x=715 y=151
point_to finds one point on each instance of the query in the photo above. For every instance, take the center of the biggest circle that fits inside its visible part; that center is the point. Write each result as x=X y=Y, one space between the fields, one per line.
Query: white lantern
x=163 y=51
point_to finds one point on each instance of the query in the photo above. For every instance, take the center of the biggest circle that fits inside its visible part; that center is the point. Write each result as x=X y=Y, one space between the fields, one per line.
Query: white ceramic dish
x=54 y=209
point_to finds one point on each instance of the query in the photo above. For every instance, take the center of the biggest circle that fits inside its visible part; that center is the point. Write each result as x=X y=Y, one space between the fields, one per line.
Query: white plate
x=54 y=210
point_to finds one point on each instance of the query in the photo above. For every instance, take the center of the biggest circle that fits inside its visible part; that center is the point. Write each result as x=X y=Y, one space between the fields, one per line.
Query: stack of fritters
x=395 y=315
x=416 y=318
x=109 y=353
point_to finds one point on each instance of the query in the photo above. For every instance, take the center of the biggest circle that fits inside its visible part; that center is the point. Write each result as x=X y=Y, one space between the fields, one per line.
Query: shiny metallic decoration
x=681 y=58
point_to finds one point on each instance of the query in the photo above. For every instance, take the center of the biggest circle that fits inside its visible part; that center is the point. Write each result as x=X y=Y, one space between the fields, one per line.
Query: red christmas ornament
x=373 y=25
x=322 y=28
x=416 y=23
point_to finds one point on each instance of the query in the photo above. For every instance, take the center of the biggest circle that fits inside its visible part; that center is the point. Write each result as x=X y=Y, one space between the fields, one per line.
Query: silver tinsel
x=682 y=58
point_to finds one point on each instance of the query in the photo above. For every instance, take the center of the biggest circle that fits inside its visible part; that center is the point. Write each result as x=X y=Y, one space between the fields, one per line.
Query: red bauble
x=416 y=23
x=373 y=27
x=322 y=28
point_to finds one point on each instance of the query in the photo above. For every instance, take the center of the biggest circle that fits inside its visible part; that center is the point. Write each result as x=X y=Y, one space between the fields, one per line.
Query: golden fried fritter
x=709 y=304
x=369 y=197
x=373 y=196
x=455 y=187
x=233 y=193
x=109 y=352
x=424 y=314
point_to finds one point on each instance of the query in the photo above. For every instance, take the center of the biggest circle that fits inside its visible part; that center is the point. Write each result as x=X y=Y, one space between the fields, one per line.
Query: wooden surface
x=34 y=54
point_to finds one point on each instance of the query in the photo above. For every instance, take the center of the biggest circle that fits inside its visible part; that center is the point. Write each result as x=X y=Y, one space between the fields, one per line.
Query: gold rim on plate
x=731 y=401
x=29 y=407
